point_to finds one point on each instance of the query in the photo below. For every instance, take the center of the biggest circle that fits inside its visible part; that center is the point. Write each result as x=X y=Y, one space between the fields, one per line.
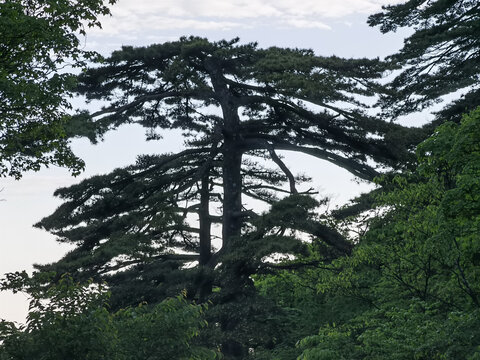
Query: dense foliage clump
x=70 y=320
x=39 y=42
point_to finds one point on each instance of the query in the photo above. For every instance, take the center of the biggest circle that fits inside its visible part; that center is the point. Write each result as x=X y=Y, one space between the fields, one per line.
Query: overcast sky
x=326 y=26
x=152 y=15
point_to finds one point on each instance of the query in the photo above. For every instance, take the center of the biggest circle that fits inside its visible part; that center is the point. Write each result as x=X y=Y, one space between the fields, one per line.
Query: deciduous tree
x=418 y=264
x=40 y=45
x=70 y=320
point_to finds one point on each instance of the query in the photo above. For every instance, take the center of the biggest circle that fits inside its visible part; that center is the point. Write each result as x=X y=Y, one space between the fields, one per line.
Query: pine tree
x=237 y=106
x=440 y=58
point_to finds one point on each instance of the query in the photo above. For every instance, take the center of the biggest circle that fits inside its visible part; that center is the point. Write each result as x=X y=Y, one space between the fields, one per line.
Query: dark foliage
x=440 y=58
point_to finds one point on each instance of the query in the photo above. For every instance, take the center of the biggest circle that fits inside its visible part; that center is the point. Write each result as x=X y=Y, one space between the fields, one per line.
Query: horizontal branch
x=363 y=171
x=198 y=94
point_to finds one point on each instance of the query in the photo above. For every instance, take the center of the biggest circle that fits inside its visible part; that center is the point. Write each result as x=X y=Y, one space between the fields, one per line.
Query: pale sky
x=326 y=26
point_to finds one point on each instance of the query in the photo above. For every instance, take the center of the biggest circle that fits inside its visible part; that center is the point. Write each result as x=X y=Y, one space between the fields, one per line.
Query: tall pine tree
x=142 y=227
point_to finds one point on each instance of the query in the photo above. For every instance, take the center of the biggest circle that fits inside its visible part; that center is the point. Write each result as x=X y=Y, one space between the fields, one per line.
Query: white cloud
x=306 y=24
x=138 y=16
x=142 y=22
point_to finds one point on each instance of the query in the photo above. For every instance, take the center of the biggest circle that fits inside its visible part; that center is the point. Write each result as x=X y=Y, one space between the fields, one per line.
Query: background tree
x=441 y=57
x=39 y=41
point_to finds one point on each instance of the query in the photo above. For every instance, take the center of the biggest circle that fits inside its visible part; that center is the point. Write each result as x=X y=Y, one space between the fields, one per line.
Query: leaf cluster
x=39 y=42
x=70 y=320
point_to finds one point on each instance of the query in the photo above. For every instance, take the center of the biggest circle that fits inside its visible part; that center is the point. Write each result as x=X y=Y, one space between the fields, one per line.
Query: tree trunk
x=232 y=154
x=205 y=275
x=232 y=192
x=232 y=180
x=205 y=222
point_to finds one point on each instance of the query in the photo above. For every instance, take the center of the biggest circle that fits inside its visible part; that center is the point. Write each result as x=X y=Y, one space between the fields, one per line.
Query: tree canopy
x=234 y=103
x=39 y=41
